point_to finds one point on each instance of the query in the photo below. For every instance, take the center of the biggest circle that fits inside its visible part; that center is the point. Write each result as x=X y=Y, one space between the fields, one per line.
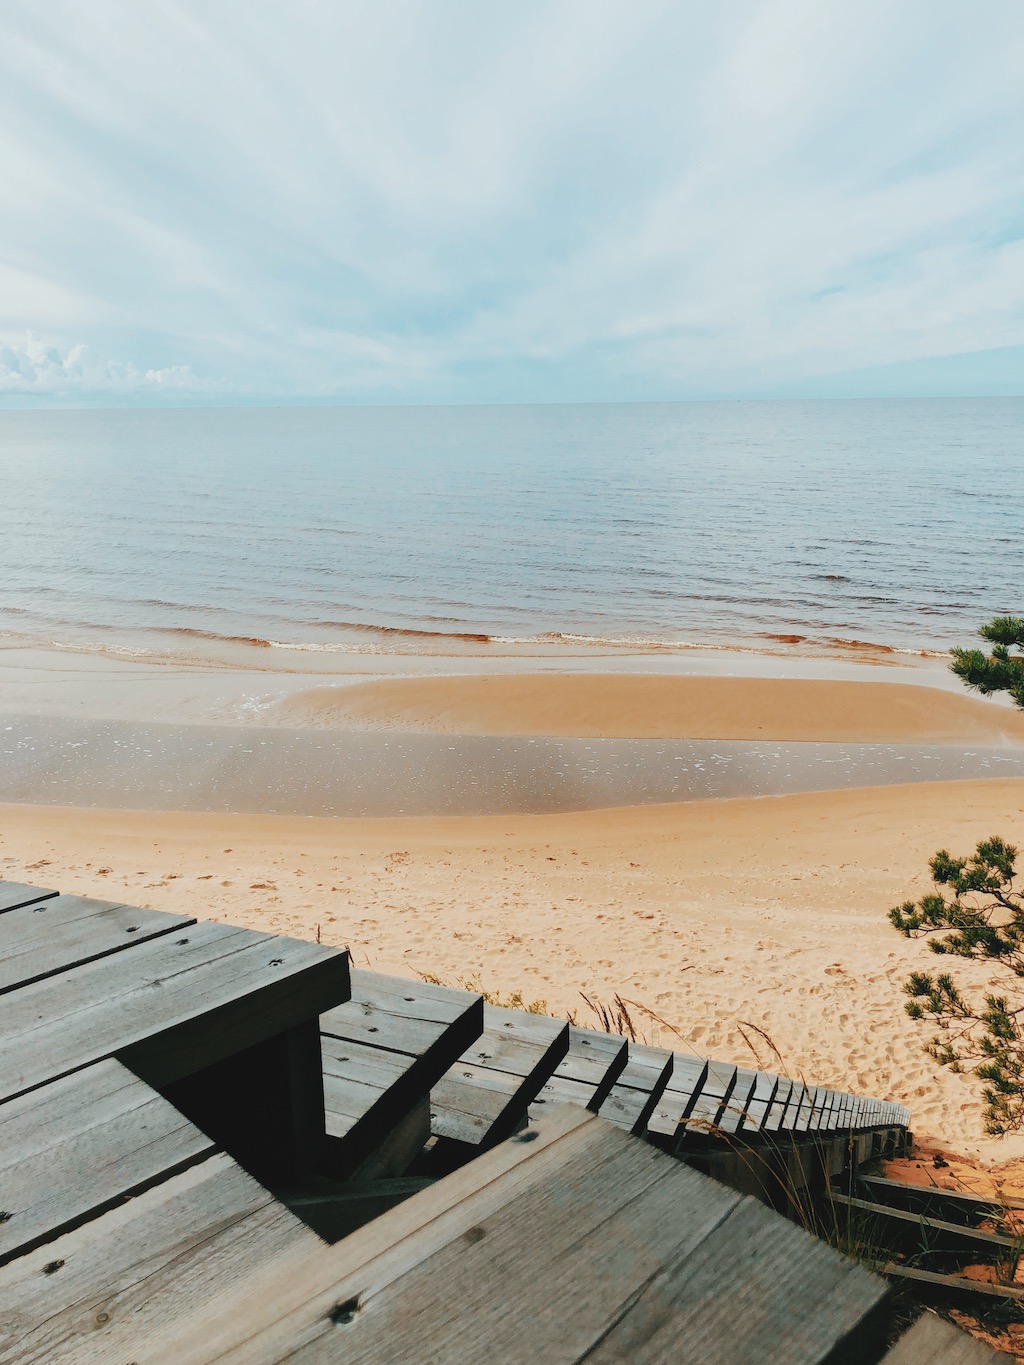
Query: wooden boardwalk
x=191 y=1114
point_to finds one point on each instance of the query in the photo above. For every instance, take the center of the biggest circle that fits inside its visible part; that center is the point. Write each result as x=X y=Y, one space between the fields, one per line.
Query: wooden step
x=765 y=1087
x=933 y=1341
x=571 y=1241
x=705 y=1116
x=485 y=1096
x=641 y=1083
x=667 y=1124
x=587 y=1072
x=383 y=1052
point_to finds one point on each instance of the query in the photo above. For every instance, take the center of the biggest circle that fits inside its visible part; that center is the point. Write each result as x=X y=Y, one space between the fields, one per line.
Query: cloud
x=33 y=367
x=436 y=200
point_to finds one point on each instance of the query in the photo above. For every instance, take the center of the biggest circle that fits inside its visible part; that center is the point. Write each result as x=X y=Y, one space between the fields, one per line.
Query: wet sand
x=597 y=705
x=770 y=911
x=385 y=772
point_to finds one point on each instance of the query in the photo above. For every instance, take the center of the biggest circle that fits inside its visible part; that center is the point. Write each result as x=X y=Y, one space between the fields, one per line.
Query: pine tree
x=977 y=911
x=999 y=671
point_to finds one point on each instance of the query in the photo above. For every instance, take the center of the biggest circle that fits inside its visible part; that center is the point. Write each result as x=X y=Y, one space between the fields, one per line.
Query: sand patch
x=646 y=706
x=776 y=906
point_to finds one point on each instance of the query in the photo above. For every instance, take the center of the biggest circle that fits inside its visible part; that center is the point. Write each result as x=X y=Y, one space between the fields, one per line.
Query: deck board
x=486 y=1094
x=59 y=933
x=639 y=1086
x=81 y=1144
x=167 y=1007
x=94 y=1293
x=15 y=894
x=406 y=1016
x=582 y=1243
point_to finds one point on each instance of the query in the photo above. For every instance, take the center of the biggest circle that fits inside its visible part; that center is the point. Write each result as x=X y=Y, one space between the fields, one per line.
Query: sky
x=455 y=201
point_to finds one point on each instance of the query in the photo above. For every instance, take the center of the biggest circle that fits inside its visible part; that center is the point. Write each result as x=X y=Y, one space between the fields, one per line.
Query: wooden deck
x=190 y=1114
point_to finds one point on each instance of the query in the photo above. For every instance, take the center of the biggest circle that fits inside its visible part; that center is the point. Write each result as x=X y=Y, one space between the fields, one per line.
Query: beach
x=720 y=921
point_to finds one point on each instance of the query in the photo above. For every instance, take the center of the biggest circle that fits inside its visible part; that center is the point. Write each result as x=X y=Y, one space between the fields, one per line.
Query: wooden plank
x=774 y=1119
x=95 y=1294
x=76 y=1147
x=518 y=1043
x=413 y=1017
x=950 y=1205
x=475 y=1105
x=759 y=1288
x=15 y=894
x=912 y=1229
x=562 y=1090
x=937 y=1342
x=265 y=1319
x=597 y=1059
x=667 y=1122
x=168 y=1008
x=367 y=1092
x=63 y=932
x=592 y=1245
x=766 y=1086
x=485 y=1096
x=706 y=1114
x=641 y=1084
x=585 y=1075
x=735 y=1111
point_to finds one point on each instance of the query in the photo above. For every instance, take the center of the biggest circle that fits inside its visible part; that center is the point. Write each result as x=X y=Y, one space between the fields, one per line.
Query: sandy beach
x=711 y=915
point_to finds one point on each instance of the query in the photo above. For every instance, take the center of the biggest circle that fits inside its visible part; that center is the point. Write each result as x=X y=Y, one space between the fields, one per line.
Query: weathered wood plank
x=15 y=894
x=475 y=1105
x=63 y=932
x=933 y=1341
x=126 y=1278
x=167 y=1008
x=518 y=1043
x=591 y=1246
x=641 y=1084
x=265 y=1319
x=706 y=1114
x=736 y=1112
x=667 y=1122
x=757 y=1280
x=562 y=1090
x=485 y=1096
x=594 y=1058
x=78 y=1146
x=414 y=1017
x=367 y=1092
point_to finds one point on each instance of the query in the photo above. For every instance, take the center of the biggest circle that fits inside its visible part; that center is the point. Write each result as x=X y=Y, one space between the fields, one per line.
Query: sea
x=892 y=524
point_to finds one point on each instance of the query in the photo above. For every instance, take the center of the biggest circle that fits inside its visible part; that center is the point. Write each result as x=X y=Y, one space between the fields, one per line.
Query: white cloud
x=393 y=199
x=31 y=366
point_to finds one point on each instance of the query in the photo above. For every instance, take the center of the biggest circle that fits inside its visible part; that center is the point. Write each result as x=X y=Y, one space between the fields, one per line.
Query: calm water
x=897 y=522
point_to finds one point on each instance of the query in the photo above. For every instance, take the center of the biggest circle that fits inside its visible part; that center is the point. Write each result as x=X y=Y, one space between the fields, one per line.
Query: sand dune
x=768 y=911
x=648 y=706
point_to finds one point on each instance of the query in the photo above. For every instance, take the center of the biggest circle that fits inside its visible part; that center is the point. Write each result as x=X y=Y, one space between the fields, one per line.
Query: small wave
x=193 y=633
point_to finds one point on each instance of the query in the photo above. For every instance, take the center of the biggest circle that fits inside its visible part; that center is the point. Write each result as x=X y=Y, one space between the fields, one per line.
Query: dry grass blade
x=614 y=1018
x=743 y=1025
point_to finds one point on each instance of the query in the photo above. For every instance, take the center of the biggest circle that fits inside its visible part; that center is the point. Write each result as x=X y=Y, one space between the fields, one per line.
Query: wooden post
x=264 y=1106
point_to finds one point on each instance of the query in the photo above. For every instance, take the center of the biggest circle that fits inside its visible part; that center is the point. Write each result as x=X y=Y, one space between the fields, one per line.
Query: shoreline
x=762 y=910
